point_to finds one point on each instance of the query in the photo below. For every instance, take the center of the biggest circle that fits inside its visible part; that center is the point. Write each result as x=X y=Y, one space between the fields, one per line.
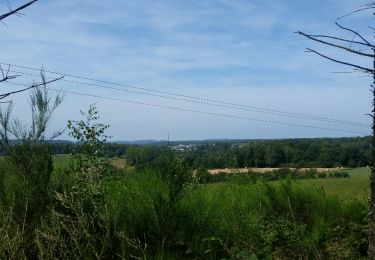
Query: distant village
x=184 y=147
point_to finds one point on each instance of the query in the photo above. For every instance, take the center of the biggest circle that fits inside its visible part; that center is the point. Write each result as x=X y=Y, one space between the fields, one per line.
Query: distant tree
x=259 y=156
x=358 y=45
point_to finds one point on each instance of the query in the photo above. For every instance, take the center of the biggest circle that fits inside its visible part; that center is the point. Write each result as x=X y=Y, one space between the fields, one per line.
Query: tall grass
x=284 y=220
x=162 y=213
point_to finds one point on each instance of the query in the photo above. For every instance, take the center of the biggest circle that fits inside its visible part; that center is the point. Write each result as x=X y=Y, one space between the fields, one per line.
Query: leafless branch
x=342 y=62
x=16 y=11
x=342 y=72
x=369 y=4
x=32 y=86
x=352 y=31
x=368 y=7
x=336 y=45
x=343 y=40
x=5 y=76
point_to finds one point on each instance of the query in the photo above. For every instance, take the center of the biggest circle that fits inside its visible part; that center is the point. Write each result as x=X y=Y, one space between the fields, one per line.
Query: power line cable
x=335 y=121
x=279 y=112
x=197 y=111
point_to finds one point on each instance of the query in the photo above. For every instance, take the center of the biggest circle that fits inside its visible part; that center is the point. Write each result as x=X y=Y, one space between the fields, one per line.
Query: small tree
x=79 y=225
x=90 y=135
x=42 y=106
x=28 y=157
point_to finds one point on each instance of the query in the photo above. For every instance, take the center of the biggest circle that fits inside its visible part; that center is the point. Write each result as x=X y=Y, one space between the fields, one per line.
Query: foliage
x=78 y=224
x=25 y=172
x=42 y=105
x=28 y=165
x=285 y=221
x=135 y=216
x=296 y=153
x=91 y=138
x=176 y=173
x=25 y=180
x=202 y=175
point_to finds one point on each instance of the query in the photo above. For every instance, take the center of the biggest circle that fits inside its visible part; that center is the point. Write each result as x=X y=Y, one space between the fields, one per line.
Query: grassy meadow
x=61 y=160
x=110 y=211
x=355 y=187
x=264 y=220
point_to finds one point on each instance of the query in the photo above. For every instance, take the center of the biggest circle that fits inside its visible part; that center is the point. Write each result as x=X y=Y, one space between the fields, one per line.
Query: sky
x=240 y=53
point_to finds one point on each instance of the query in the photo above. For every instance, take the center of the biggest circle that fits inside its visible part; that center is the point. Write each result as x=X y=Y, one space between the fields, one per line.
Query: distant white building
x=183 y=147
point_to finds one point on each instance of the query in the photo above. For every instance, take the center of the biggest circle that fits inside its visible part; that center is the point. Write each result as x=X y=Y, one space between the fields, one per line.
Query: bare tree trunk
x=371 y=234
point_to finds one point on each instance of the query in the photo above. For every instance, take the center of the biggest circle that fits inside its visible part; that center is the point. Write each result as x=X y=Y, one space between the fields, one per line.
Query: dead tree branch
x=2 y=96
x=17 y=10
x=5 y=75
x=363 y=42
x=342 y=62
x=355 y=33
x=311 y=37
x=341 y=39
x=366 y=7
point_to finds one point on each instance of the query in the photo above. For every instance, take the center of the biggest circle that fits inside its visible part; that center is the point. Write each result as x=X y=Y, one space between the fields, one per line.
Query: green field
x=60 y=160
x=355 y=187
x=166 y=213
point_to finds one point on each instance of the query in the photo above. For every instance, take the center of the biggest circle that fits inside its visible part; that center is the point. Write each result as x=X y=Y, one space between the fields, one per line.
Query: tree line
x=341 y=152
x=298 y=153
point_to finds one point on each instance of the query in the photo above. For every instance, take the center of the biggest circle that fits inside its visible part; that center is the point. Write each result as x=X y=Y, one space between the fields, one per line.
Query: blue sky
x=243 y=52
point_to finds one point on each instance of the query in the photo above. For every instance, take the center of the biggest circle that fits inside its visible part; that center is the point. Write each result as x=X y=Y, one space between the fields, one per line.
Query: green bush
x=322 y=175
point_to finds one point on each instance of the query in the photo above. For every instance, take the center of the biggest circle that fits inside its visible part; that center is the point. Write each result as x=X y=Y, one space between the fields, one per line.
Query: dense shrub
x=89 y=210
x=138 y=214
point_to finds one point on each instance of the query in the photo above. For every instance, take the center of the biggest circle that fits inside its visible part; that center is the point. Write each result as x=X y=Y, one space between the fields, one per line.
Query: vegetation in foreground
x=91 y=210
x=88 y=209
x=162 y=213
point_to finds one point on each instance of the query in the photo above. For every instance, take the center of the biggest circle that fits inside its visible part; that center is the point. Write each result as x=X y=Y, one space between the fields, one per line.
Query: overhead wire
x=334 y=121
x=186 y=98
x=195 y=110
